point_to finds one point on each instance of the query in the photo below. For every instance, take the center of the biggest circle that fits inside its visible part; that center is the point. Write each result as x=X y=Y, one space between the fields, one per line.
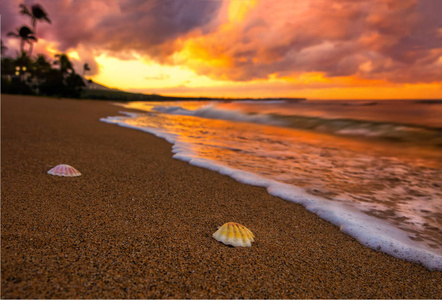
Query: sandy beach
x=139 y=224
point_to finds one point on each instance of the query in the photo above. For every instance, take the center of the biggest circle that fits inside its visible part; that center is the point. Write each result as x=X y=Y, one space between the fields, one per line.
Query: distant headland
x=100 y=92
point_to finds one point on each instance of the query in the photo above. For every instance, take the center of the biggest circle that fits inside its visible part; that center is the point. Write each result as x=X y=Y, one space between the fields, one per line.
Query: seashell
x=64 y=170
x=234 y=234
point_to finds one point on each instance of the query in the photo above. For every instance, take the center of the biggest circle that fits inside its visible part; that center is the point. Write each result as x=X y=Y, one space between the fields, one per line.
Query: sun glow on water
x=240 y=139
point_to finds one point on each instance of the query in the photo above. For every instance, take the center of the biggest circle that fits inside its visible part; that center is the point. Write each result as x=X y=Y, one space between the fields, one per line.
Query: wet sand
x=138 y=224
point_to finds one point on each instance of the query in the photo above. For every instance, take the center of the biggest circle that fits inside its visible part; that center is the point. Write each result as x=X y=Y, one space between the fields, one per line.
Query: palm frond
x=39 y=13
x=25 y=31
x=24 y=10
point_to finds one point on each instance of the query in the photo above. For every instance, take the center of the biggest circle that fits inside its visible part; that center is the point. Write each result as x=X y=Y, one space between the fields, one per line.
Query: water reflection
x=399 y=184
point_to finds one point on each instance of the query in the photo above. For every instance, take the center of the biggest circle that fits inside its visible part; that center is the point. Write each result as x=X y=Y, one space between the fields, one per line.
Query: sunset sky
x=319 y=49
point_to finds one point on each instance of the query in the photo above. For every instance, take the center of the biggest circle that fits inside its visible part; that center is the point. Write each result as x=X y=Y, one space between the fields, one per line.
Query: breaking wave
x=392 y=132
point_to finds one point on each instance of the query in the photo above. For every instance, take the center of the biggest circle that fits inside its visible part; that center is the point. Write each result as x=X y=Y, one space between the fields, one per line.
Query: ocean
x=372 y=168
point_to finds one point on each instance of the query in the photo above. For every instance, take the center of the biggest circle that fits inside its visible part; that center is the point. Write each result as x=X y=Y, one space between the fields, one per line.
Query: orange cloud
x=375 y=40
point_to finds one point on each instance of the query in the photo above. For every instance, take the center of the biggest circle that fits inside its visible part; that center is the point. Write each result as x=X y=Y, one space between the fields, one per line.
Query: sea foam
x=369 y=231
x=337 y=126
x=210 y=112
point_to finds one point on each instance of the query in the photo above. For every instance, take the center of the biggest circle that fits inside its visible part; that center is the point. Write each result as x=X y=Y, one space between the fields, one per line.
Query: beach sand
x=139 y=224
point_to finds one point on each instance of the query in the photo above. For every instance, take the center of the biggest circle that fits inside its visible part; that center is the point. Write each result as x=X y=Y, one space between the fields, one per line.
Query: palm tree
x=41 y=66
x=86 y=68
x=37 y=13
x=40 y=69
x=64 y=63
x=26 y=35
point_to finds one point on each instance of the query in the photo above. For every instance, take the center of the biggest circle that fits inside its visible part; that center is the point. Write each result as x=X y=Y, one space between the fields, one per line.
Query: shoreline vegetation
x=138 y=223
x=116 y=95
x=28 y=75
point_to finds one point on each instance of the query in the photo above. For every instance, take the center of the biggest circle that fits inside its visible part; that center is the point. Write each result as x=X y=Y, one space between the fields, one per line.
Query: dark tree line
x=38 y=75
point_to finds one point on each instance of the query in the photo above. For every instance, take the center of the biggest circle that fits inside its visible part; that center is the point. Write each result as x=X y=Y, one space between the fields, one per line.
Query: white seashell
x=234 y=234
x=64 y=170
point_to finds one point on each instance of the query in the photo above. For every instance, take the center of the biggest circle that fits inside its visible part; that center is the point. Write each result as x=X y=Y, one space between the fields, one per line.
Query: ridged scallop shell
x=64 y=170
x=234 y=234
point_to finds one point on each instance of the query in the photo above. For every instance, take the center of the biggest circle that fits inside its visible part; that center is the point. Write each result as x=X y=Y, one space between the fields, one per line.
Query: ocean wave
x=392 y=132
x=210 y=112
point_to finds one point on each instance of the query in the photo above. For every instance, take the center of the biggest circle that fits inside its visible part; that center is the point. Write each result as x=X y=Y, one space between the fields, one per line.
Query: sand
x=139 y=224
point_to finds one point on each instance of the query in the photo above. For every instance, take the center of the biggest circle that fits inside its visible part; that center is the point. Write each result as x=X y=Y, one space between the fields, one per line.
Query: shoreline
x=371 y=231
x=138 y=223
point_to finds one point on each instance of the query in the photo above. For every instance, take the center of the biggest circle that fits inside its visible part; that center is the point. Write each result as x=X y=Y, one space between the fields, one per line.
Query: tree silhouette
x=86 y=68
x=23 y=75
x=64 y=63
x=40 y=68
x=25 y=34
x=37 y=13
x=8 y=66
x=42 y=64
x=3 y=48
x=74 y=85
x=17 y=79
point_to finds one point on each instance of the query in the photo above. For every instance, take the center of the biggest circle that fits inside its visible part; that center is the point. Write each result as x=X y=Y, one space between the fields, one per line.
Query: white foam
x=171 y=138
x=210 y=112
x=369 y=231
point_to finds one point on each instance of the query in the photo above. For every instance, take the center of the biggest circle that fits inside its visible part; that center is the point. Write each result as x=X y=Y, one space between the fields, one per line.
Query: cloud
x=158 y=77
x=242 y=40
x=377 y=39
x=8 y=11
x=120 y=28
x=146 y=27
